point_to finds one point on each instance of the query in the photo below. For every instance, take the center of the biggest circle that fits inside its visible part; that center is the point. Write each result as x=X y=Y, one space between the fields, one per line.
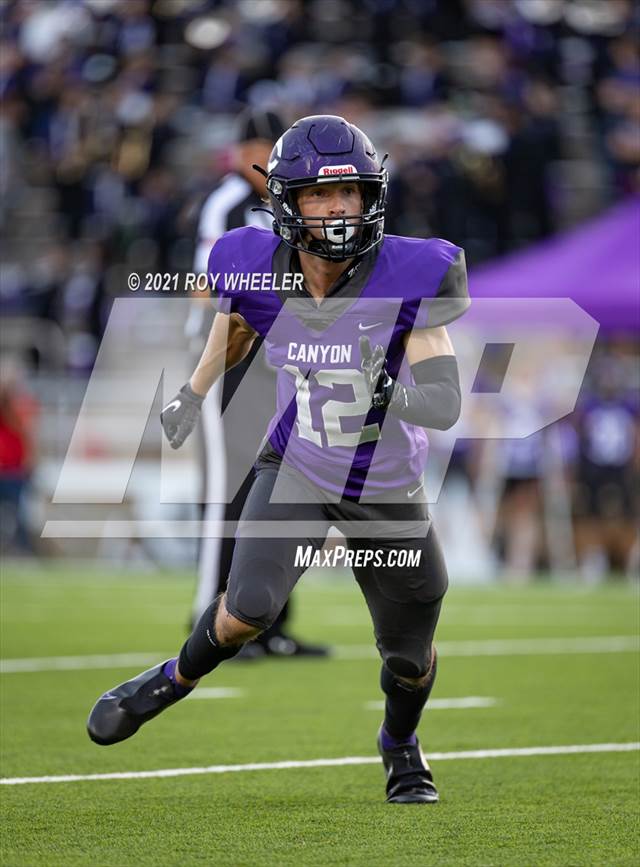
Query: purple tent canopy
x=596 y=264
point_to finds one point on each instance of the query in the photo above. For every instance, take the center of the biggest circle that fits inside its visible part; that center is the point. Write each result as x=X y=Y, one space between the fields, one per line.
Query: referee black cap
x=256 y=123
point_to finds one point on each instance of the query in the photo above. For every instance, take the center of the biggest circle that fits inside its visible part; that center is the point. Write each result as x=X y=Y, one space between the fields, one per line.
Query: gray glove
x=180 y=415
x=379 y=383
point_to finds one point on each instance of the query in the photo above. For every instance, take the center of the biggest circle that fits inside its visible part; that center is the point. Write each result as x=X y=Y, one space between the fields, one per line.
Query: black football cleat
x=282 y=645
x=249 y=652
x=119 y=713
x=409 y=779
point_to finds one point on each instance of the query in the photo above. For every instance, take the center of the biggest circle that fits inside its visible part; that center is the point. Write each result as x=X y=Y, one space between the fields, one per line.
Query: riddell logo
x=330 y=171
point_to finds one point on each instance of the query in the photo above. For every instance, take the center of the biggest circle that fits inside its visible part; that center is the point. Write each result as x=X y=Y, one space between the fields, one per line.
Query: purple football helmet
x=326 y=149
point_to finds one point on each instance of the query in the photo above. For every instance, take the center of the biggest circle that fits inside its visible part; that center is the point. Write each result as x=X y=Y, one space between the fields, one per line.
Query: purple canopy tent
x=596 y=264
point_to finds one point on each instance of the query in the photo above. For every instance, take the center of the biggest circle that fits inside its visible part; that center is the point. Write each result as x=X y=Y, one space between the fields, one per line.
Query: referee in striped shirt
x=230 y=206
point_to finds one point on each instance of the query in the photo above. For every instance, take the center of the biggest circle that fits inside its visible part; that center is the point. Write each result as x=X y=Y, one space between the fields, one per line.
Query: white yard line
x=324 y=763
x=79 y=663
x=512 y=647
x=217 y=692
x=462 y=703
x=489 y=647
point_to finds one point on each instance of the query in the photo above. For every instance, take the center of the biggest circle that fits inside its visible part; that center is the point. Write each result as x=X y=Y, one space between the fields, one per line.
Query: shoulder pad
x=234 y=258
x=431 y=276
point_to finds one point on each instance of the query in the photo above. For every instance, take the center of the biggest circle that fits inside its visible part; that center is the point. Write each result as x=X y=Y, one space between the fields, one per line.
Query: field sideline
x=526 y=673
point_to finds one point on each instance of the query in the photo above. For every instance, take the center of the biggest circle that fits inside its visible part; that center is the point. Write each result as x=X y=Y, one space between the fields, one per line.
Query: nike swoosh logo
x=413 y=493
x=368 y=327
x=173 y=406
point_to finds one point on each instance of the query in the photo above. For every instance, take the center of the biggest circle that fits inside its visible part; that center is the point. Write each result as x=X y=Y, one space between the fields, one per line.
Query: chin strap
x=264 y=211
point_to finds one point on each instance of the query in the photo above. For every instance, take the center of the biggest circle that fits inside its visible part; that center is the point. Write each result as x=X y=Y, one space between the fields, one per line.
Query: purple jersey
x=608 y=430
x=324 y=425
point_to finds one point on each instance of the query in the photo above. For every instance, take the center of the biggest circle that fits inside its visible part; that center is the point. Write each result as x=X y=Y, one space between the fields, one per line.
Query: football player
x=364 y=364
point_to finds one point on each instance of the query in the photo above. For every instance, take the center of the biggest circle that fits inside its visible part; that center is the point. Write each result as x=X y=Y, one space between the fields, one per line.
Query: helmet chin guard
x=326 y=149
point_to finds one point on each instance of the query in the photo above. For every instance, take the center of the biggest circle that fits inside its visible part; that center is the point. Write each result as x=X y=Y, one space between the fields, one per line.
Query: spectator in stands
x=607 y=503
x=618 y=97
x=18 y=413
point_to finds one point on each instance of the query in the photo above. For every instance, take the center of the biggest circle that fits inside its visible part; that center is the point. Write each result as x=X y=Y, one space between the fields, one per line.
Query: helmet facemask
x=342 y=237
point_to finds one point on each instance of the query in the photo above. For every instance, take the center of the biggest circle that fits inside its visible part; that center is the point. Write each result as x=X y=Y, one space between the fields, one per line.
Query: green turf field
x=573 y=809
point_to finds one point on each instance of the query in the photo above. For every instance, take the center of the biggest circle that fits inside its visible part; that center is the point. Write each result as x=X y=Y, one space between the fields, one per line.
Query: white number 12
x=333 y=410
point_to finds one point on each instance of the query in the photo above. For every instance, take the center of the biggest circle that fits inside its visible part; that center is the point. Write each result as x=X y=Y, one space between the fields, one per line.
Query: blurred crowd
x=506 y=120
x=568 y=497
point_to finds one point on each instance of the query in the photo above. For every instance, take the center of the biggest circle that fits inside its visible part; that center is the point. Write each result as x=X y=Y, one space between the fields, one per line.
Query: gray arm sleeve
x=434 y=401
